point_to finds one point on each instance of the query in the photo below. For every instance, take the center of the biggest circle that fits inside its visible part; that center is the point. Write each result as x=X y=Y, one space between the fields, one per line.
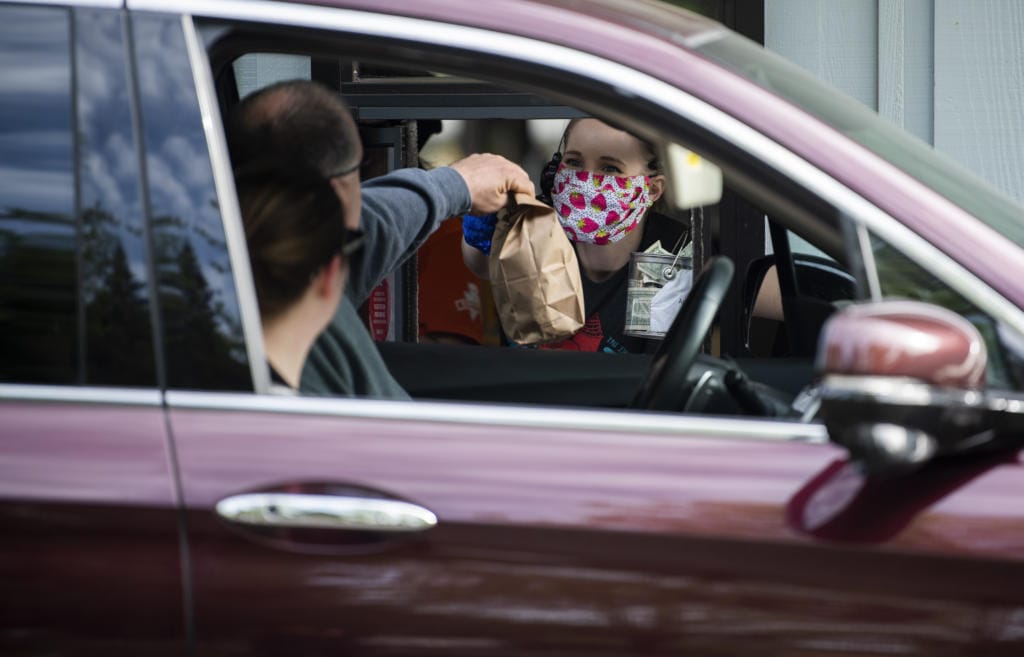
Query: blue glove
x=477 y=231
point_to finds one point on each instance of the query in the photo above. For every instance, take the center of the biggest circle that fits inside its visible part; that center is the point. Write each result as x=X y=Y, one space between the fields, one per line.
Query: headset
x=547 y=174
x=547 y=177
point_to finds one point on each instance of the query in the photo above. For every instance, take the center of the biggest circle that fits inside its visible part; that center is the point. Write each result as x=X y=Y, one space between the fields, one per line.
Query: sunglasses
x=353 y=242
x=347 y=170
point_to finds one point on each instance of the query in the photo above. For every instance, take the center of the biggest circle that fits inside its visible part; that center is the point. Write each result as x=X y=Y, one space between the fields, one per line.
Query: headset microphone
x=547 y=178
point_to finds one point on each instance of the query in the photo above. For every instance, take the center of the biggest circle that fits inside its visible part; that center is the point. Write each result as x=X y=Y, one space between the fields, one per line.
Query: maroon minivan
x=841 y=479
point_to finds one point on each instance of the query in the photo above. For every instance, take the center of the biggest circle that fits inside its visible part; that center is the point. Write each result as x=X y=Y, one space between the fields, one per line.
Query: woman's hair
x=653 y=163
x=294 y=225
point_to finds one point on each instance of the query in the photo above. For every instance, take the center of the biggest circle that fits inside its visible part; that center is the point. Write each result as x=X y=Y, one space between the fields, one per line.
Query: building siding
x=950 y=72
x=979 y=88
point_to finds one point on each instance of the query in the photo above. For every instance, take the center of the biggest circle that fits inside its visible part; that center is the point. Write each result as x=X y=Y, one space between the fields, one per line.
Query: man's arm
x=400 y=210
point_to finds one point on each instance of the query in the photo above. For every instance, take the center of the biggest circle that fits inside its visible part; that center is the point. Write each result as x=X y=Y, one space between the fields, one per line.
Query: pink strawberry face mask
x=599 y=208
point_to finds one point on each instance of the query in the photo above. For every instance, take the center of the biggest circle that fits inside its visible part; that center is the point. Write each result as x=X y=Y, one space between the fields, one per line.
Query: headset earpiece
x=547 y=177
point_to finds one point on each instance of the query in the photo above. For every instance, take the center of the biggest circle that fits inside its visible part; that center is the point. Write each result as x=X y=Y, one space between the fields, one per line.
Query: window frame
x=678 y=114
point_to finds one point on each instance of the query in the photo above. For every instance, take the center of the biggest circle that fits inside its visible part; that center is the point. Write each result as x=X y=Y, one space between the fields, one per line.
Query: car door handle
x=310 y=511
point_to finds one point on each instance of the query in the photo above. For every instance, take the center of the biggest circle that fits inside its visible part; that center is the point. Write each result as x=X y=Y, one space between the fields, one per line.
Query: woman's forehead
x=596 y=138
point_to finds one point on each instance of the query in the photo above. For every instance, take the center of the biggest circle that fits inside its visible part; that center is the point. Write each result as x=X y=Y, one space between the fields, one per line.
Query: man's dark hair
x=297 y=123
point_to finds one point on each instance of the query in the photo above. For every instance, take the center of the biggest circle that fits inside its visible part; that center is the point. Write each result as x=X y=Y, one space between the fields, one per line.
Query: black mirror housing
x=902 y=383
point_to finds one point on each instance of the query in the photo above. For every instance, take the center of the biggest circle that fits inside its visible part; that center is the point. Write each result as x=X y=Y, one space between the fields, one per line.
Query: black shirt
x=275 y=377
x=605 y=301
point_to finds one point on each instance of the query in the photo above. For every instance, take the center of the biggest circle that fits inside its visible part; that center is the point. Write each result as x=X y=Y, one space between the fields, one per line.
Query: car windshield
x=867 y=128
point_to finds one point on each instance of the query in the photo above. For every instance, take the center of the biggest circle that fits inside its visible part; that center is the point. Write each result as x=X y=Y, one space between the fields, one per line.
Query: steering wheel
x=668 y=386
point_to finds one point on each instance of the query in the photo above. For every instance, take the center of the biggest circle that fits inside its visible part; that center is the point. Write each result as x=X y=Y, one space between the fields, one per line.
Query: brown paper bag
x=535 y=278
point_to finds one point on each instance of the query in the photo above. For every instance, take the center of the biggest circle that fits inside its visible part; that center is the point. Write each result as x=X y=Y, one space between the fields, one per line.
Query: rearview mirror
x=693 y=181
x=902 y=383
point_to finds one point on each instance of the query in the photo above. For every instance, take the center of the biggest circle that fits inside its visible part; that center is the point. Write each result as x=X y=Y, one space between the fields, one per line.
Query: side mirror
x=693 y=180
x=901 y=383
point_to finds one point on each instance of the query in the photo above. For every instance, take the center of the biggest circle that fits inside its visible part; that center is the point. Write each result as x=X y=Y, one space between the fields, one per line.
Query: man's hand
x=490 y=178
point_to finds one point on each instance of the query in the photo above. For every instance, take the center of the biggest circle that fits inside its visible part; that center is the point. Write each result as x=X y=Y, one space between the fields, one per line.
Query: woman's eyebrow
x=602 y=158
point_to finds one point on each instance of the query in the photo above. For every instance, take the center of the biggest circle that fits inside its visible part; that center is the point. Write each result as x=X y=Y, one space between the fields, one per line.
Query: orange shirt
x=449 y=294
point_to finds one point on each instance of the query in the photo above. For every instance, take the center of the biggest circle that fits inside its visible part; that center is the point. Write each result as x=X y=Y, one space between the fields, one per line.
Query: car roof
x=636 y=30
x=543 y=18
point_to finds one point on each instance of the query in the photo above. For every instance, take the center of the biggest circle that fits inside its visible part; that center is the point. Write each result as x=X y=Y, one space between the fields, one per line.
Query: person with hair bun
x=602 y=184
x=299 y=246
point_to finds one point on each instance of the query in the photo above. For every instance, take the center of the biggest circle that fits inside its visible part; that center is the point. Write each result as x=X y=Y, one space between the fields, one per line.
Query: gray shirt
x=400 y=210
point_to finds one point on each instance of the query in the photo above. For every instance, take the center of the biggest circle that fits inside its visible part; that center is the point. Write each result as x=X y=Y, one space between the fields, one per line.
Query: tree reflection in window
x=203 y=341
x=117 y=327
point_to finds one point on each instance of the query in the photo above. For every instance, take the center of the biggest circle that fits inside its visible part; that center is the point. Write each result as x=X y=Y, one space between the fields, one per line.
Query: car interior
x=777 y=284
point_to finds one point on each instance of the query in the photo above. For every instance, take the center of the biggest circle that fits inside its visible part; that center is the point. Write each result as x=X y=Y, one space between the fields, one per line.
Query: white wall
x=979 y=87
x=949 y=71
x=836 y=41
x=253 y=72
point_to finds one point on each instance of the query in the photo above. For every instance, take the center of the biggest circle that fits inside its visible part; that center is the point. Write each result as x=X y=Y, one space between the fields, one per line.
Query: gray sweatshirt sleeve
x=400 y=210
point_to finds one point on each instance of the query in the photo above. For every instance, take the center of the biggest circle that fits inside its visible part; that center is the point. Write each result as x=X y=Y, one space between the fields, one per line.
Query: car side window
x=900 y=277
x=73 y=296
x=38 y=293
x=114 y=274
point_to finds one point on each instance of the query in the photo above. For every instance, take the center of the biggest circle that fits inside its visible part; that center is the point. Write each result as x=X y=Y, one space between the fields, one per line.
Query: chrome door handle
x=308 y=511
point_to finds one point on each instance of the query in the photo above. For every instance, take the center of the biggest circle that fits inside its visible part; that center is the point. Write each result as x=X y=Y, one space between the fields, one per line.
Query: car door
x=392 y=528
x=90 y=556
x=561 y=532
x=555 y=532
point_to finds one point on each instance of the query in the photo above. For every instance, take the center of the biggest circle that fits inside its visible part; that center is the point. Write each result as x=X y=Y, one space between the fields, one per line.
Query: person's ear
x=656 y=188
x=328 y=280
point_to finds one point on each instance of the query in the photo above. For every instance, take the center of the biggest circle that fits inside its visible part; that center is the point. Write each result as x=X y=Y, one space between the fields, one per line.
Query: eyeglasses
x=345 y=171
x=354 y=241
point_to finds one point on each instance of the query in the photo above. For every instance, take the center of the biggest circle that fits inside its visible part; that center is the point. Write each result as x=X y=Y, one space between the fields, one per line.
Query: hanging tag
x=668 y=300
x=658 y=283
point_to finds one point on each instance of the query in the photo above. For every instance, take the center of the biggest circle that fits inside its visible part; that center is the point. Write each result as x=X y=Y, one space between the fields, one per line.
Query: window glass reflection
x=38 y=291
x=202 y=328
x=115 y=297
x=902 y=278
